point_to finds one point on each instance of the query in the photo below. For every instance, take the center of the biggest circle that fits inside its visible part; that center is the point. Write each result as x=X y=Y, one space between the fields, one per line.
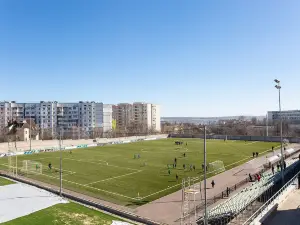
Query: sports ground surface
x=4 y=181
x=111 y=172
x=70 y=213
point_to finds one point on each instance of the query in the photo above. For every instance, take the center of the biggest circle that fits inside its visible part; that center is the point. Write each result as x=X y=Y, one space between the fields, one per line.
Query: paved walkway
x=167 y=210
x=288 y=213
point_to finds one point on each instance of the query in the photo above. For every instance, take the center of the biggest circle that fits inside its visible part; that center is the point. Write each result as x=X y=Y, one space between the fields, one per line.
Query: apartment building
x=86 y=115
x=292 y=116
x=155 y=117
x=123 y=114
x=142 y=114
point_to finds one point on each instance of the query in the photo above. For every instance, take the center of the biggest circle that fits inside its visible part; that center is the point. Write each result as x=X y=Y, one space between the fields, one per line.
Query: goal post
x=30 y=166
x=216 y=167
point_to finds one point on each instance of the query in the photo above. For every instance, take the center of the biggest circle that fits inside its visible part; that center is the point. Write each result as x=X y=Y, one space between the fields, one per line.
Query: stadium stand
x=229 y=209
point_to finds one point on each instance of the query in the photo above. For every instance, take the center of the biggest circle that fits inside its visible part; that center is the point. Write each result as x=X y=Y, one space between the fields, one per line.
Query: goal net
x=216 y=167
x=32 y=167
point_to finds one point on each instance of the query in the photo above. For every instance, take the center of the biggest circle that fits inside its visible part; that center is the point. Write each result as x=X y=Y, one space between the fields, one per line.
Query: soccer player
x=213 y=183
x=176 y=177
x=50 y=166
x=169 y=171
x=194 y=167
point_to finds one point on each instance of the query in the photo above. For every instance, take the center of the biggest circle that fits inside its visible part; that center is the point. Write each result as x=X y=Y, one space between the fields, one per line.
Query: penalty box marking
x=86 y=185
x=91 y=161
x=111 y=178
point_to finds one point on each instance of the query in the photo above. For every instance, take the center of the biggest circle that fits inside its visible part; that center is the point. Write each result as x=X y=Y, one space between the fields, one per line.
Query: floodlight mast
x=278 y=87
x=60 y=163
x=205 y=201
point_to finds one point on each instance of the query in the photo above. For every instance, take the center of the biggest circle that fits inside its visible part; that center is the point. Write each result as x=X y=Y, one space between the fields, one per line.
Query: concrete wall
x=236 y=137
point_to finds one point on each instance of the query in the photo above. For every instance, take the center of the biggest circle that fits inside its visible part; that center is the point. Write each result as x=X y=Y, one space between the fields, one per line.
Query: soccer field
x=113 y=174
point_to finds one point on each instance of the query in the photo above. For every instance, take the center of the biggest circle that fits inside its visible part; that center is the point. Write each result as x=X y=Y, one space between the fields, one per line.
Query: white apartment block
x=292 y=116
x=87 y=115
x=155 y=117
x=138 y=113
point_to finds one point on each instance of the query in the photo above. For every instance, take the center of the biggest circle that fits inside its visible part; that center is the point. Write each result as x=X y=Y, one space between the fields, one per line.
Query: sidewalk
x=167 y=209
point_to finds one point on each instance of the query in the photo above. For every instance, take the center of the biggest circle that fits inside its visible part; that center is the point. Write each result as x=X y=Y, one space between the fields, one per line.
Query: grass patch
x=111 y=172
x=65 y=214
x=4 y=181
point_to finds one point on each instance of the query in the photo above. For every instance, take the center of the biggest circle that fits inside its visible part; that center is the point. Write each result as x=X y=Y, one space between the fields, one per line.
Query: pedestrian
x=175 y=160
x=258 y=177
x=203 y=164
x=227 y=191
x=273 y=169
x=256 y=154
x=272 y=148
x=280 y=166
x=184 y=166
x=169 y=171
x=253 y=153
x=213 y=183
x=250 y=177
x=176 y=177
x=183 y=154
x=194 y=167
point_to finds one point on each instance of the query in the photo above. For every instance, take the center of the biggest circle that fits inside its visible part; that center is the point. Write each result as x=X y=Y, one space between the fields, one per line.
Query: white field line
x=84 y=185
x=251 y=143
x=111 y=178
x=69 y=171
x=105 y=164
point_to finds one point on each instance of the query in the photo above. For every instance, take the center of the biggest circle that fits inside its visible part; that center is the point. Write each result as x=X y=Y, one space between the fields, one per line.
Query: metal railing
x=270 y=203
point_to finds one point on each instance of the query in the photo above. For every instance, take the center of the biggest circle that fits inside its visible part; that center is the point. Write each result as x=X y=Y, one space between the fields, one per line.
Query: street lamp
x=278 y=87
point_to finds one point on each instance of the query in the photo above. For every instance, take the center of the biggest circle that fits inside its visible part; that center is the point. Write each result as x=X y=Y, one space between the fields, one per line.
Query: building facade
x=292 y=116
x=145 y=116
x=54 y=115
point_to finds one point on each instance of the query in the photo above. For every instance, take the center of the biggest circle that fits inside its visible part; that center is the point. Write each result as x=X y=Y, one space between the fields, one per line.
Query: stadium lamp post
x=205 y=202
x=278 y=87
x=60 y=164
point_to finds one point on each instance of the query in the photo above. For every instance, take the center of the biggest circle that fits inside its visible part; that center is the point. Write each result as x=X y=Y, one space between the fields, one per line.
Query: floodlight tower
x=278 y=87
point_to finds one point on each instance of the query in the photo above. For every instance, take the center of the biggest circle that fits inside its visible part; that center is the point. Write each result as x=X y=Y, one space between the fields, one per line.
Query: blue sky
x=195 y=58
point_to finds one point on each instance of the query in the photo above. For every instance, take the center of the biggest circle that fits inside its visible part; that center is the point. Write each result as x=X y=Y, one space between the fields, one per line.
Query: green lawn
x=4 y=181
x=111 y=172
x=65 y=214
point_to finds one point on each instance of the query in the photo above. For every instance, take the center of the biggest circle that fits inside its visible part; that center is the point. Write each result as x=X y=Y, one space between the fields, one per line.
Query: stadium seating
x=238 y=202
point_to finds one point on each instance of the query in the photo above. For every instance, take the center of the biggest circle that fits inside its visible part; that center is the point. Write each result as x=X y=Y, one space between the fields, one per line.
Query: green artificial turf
x=64 y=214
x=4 y=181
x=111 y=172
